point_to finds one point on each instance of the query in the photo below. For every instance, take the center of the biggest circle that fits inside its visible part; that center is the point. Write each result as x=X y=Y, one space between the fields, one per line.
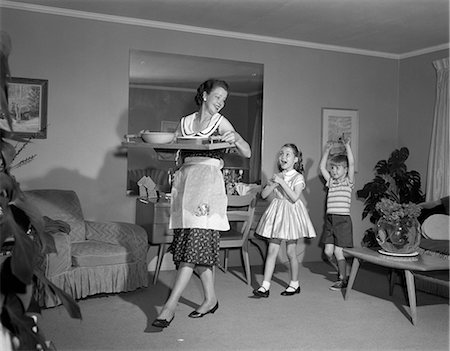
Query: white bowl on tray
x=157 y=137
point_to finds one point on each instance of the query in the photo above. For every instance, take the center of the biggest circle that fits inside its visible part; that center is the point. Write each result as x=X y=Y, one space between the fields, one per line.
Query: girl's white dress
x=284 y=219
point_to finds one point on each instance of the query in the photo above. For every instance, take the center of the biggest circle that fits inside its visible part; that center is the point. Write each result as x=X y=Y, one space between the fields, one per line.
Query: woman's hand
x=230 y=137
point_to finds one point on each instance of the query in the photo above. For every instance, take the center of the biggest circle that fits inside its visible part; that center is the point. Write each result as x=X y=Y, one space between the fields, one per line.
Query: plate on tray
x=179 y=145
x=193 y=140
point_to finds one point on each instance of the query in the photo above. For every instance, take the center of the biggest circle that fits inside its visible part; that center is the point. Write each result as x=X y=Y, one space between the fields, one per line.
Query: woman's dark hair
x=208 y=86
x=298 y=166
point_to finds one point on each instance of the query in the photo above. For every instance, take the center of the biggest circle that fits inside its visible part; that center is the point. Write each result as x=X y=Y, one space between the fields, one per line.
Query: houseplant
x=21 y=270
x=398 y=230
x=394 y=182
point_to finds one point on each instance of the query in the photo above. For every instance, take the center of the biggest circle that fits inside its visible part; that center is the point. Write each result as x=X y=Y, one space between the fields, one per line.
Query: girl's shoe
x=195 y=314
x=261 y=292
x=290 y=291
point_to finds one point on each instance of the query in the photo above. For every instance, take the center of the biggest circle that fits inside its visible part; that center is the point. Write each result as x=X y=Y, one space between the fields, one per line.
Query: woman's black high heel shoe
x=195 y=314
x=162 y=323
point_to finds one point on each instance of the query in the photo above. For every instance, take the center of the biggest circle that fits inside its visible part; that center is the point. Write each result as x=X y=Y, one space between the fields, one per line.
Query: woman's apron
x=198 y=198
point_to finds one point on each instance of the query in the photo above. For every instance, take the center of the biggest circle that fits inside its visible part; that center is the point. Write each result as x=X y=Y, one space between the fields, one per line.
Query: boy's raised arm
x=323 y=162
x=351 y=161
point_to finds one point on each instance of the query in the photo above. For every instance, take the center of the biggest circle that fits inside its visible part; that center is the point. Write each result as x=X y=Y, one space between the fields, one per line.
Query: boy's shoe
x=340 y=284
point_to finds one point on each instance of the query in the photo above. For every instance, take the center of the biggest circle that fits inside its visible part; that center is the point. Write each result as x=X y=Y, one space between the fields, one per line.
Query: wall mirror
x=162 y=88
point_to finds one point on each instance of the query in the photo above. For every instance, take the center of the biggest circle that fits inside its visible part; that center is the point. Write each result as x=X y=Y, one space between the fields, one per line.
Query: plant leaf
x=382 y=167
x=69 y=303
x=20 y=324
x=47 y=242
x=11 y=135
x=35 y=217
x=6 y=221
x=7 y=152
x=23 y=256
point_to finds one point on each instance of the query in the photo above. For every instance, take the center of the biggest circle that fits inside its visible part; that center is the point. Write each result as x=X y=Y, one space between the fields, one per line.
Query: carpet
x=316 y=319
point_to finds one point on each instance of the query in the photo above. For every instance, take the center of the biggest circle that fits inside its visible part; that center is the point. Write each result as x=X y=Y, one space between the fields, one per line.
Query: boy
x=338 y=232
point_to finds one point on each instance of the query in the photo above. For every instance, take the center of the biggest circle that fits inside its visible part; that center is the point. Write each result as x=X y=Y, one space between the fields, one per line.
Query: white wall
x=86 y=63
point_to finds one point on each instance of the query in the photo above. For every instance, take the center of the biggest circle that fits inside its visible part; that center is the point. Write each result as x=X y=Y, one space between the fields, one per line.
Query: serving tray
x=178 y=146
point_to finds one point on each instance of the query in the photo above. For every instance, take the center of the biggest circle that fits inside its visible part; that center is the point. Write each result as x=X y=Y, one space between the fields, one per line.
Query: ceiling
x=390 y=28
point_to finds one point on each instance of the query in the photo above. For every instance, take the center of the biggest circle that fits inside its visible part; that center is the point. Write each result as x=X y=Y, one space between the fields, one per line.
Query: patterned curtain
x=438 y=174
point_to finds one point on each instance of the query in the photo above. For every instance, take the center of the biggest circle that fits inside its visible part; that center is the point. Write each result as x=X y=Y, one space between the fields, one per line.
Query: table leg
x=392 y=274
x=351 y=280
x=411 y=295
x=161 y=251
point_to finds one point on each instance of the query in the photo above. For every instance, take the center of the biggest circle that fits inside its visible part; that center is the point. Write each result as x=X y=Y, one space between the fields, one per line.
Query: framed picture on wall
x=339 y=124
x=27 y=104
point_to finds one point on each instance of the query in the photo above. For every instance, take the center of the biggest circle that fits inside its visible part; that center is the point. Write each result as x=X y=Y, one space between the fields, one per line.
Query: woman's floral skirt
x=196 y=246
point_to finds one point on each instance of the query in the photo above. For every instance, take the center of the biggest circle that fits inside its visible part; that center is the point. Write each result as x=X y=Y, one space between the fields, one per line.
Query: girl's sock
x=293 y=285
x=265 y=285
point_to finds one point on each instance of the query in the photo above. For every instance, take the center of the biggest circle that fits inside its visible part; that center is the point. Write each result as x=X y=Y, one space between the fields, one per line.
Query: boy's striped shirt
x=339 y=196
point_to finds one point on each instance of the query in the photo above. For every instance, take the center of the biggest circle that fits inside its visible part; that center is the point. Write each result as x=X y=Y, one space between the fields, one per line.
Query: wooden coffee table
x=422 y=263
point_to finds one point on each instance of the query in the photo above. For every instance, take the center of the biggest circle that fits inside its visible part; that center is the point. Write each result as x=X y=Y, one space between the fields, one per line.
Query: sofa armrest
x=61 y=261
x=128 y=235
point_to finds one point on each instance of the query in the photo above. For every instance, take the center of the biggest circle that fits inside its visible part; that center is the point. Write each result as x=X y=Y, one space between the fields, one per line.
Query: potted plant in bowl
x=398 y=230
x=395 y=183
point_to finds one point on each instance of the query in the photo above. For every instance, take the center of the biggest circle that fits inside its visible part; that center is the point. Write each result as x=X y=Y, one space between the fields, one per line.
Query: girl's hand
x=271 y=183
x=230 y=137
x=277 y=178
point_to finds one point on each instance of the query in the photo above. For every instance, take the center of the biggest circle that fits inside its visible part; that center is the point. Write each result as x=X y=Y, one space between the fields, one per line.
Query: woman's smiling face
x=287 y=158
x=215 y=100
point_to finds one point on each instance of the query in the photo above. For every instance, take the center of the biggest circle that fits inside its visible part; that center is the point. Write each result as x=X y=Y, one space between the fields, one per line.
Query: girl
x=286 y=218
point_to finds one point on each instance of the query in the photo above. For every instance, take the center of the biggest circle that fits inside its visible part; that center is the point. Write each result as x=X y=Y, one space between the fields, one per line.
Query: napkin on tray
x=147 y=187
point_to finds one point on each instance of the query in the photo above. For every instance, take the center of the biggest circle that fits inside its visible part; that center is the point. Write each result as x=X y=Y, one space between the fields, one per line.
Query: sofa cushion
x=61 y=205
x=92 y=253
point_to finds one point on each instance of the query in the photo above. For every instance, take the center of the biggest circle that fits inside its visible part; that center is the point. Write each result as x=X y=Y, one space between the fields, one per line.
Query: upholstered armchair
x=94 y=257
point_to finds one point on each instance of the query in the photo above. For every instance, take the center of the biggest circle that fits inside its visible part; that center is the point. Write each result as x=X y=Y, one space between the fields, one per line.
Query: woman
x=199 y=202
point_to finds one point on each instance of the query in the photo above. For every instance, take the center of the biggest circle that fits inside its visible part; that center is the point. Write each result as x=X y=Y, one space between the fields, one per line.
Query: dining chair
x=240 y=213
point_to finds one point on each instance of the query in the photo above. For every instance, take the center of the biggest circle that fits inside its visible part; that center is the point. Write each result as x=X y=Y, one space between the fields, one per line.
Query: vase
x=398 y=239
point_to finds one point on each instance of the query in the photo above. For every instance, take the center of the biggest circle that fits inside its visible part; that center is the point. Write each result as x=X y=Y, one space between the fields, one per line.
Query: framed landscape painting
x=27 y=103
x=339 y=124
